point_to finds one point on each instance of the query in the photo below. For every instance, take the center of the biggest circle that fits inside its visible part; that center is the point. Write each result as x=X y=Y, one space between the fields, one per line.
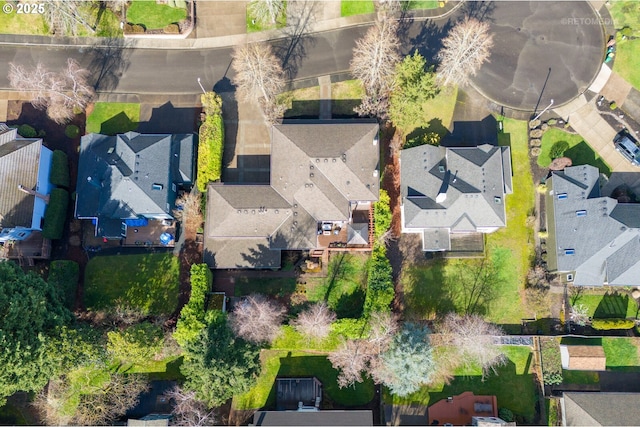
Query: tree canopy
x=32 y=314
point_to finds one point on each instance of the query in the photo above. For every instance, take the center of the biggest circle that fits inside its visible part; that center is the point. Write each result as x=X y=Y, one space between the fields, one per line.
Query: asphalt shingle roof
x=19 y=161
x=601 y=409
x=593 y=236
x=474 y=180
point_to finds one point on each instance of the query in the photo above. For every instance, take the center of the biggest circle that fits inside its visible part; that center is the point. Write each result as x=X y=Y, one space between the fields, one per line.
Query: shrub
x=535 y=151
x=380 y=291
x=552 y=122
x=626 y=31
x=505 y=415
x=536 y=142
x=64 y=276
x=536 y=133
x=59 y=174
x=544 y=127
x=56 y=214
x=210 y=150
x=42 y=133
x=192 y=316
x=613 y=105
x=430 y=138
x=27 y=131
x=172 y=29
x=135 y=345
x=558 y=149
x=608 y=324
x=211 y=103
x=543 y=234
x=128 y=28
x=381 y=215
x=541 y=188
x=137 y=29
x=72 y=131
x=534 y=124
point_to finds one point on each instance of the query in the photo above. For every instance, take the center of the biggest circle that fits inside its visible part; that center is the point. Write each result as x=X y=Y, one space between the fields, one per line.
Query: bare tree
x=579 y=314
x=266 y=11
x=315 y=322
x=188 y=410
x=473 y=340
x=465 y=49
x=256 y=319
x=259 y=77
x=374 y=61
x=383 y=327
x=351 y=359
x=58 y=93
x=189 y=209
x=65 y=17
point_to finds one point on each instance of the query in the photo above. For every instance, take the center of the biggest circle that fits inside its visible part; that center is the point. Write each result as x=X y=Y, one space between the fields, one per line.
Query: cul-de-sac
x=320 y=212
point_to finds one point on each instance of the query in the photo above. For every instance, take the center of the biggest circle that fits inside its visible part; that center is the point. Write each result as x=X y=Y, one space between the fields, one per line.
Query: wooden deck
x=149 y=235
x=26 y=251
x=458 y=410
x=466 y=245
x=325 y=241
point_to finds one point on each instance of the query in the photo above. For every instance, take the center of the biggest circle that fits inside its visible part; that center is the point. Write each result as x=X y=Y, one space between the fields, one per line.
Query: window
x=173 y=187
x=569 y=251
x=562 y=196
x=569 y=277
x=157 y=186
x=581 y=213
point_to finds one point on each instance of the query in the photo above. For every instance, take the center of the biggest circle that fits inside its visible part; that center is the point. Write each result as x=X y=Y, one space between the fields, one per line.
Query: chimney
x=33 y=193
x=441 y=197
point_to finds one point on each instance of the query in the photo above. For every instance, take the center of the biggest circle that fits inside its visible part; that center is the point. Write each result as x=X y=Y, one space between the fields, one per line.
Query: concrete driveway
x=555 y=46
x=221 y=18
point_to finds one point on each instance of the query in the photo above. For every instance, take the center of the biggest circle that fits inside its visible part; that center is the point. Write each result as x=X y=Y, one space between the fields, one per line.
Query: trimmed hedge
x=56 y=214
x=380 y=290
x=192 y=318
x=72 y=131
x=59 y=174
x=171 y=29
x=381 y=215
x=210 y=150
x=608 y=324
x=64 y=275
x=27 y=131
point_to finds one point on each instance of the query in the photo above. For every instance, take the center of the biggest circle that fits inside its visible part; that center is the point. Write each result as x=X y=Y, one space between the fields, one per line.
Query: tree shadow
x=472 y=133
x=434 y=125
x=480 y=10
x=583 y=154
x=120 y=123
x=261 y=257
x=227 y=92
x=350 y=305
x=428 y=42
x=426 y=291
x=108 y=60
x=293 y=49
x=612 y=305
x=168 y=119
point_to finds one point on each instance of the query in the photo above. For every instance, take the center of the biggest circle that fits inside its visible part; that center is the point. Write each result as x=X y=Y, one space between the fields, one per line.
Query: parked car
x=628 y=147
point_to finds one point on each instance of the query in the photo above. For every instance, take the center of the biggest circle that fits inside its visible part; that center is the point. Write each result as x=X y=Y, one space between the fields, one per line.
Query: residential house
x=593 y=240
x=25 y=164
x=583 y=357
x=128 y=184
x=460 y=410
x=452 y=196
x=313 y=418
x=324 y=177
x=600 y=409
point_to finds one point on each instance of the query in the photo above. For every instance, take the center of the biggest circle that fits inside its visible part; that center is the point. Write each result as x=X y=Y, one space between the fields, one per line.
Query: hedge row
x=381 y=215
x=607 y=324
x=551 y=361
x=192 y=318
x=56 y=214
x=64 y=275
x=210 y=150
x=59 y=174
x=380 y=291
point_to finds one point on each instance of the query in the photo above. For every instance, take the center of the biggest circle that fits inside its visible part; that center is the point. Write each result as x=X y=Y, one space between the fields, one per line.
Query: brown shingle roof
x=587 y=358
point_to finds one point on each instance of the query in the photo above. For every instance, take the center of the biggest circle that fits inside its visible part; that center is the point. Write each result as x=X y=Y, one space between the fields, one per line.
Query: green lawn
x=580 y=377
x=345 y=96
x=344 y=287
x=278 y=286
x=153 y=15
x=423 y=4
x=356 y=7
x=622 y=353
x=255 y=26
x=614 y=305
x=165 y=369
x=626 y=13
x=513 y=385
x=627 y=61
x=24 y=23
x=435 y=287
x=111 y=118
x=147 y=282
x=579 y=151
x=437 y=114
x=285 y=363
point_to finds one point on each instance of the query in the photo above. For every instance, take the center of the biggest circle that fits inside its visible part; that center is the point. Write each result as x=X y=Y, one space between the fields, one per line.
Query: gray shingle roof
x=474 y=180
x=19 y=161
x=319 y=418
x=601 y=409
x=131 y=174
x=316 y=170
x=593 y=236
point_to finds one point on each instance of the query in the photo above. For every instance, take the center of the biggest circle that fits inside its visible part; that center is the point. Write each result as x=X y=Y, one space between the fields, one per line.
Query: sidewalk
x=215 y=37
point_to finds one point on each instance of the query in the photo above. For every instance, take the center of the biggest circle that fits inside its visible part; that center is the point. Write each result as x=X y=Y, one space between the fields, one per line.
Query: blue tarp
x=138 y=222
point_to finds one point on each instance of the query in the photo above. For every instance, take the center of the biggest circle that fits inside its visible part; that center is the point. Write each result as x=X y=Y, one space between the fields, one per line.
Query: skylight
x=569 y=251
x=562 y=196
x=581 y=213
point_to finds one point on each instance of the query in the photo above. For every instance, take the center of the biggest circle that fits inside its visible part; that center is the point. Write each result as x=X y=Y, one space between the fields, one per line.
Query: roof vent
x=312 y=167
x=317 y=160
x=441 y=168
x=333 y=160
x=375 y=173
x=441 y=197
x=497 y=200
x=277 y=211
x=311 y=175
x=157 y=186
x=326 y=160
x=110 y=150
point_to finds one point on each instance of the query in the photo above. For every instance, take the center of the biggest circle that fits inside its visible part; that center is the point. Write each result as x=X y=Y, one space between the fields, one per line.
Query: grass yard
x=345 y=96
x=627 y=62
x=165 y=369
x=580 y=377
x=153 y=15
x=356 y=7
x=606 y=306
x=513 y=385
x=344 y=287
x=146 y=282
x=437 y=114
x=23 y=23
x=423 y=4
x=579 y=151
x=301 y=364
x=111 y=118
x=255 y=26
x=622 y=353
